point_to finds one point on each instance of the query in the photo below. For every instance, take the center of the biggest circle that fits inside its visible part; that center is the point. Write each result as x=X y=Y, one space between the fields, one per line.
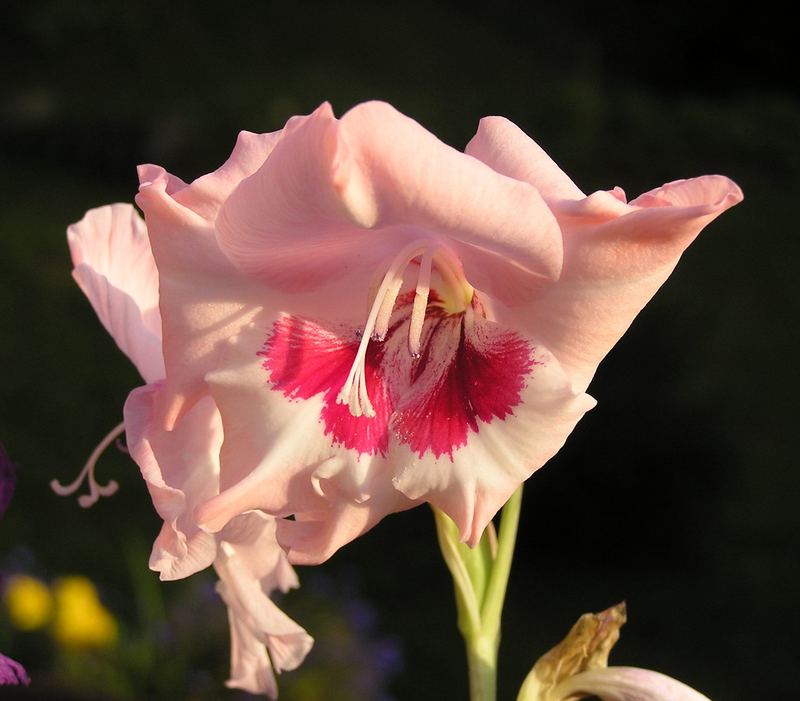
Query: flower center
x=457 y=297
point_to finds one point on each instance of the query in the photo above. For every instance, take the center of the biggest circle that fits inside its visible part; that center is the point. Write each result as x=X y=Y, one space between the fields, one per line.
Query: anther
x=420 y=304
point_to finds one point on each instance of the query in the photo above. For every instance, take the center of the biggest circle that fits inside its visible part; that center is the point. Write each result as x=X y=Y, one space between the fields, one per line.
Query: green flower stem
x=480 y=579
x=492 y=608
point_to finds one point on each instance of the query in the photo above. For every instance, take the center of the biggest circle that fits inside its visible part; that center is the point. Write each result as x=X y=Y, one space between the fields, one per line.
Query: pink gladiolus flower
x=115 y=269
x=382 y=320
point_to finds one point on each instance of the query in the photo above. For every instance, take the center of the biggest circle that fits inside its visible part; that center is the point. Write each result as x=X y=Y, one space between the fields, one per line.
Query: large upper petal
x=115 y=269
x=336 y=197
x=616 y=256
x=504 y=147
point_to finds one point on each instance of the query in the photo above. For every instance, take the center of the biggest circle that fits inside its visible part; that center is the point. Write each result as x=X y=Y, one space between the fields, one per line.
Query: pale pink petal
x=206 y=195
x=201 y=294
x=616 y=258
x=281 y=471
x=181 y=470
x=272 y=444
x=250 y=566
x=116 y=271
x=300 y=219
x=252 y=536
x=507 y=439
x=625 y=684
x=312 y=537
x=251 y=669
x=344 y=196
x=302 y=466
x=504 y=147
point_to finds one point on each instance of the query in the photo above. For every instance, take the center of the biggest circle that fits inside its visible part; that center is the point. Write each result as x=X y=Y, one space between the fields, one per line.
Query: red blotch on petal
x=304 y=359
x=482 y=379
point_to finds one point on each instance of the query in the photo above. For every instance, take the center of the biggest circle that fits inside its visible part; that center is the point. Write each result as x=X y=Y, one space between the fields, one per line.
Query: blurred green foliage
x=677 y=493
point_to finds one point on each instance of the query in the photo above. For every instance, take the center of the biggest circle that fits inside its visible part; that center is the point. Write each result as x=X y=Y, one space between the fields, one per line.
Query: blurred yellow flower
x=81 y=620
x=28 y=602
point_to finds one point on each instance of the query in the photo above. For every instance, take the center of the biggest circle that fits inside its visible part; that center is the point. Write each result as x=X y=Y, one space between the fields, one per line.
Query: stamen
x=354 y=391
x=95 y=490
x=420 y=304
x=385 y=312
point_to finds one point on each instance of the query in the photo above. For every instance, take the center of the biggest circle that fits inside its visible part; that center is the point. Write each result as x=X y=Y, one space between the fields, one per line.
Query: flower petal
x=250 y=566
x=625 y=684
x=298 y=467
x=205 y=195
x=196 y=298
x=336 y=196
x=251 y=669
x=202 y=297
x=616 y=258
x=504 y=147
x=257 y=552
x=12 y=673
x=505 y=442
x=181 y=470
x=300 y=219
x=312 y=537
x=115 y=269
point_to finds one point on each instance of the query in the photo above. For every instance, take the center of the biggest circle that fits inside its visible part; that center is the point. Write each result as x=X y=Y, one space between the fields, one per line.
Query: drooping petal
x=502 y=404
x=624 y=684
x=250 y=566
x=343 y=196
x=115 y=269
x=181 y=470
x=616 y=258
x=252 y=535
x=251 y=669
x=503 y=146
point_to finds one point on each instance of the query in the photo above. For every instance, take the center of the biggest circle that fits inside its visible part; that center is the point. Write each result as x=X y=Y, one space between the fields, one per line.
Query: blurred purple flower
x=12 y=672
x=7 y=480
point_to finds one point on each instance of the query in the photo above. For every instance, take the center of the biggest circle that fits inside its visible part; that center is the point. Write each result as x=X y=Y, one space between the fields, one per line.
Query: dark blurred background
x=678 y=493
